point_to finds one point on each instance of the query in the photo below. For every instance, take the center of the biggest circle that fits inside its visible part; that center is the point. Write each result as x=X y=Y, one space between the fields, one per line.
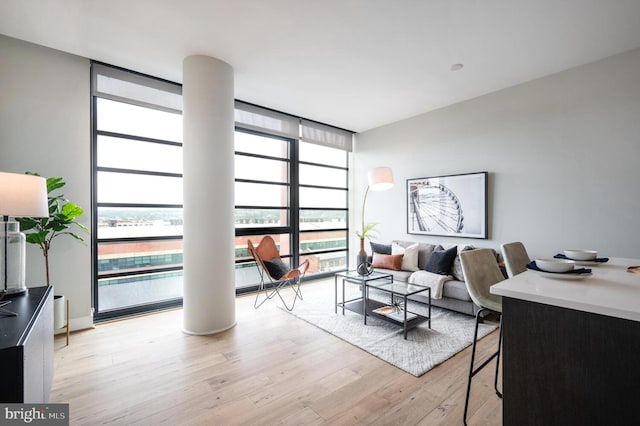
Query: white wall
x=562 y=154
x=45 y=128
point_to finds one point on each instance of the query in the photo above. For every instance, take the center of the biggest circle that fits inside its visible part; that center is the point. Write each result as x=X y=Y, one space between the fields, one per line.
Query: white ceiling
x=356 y=64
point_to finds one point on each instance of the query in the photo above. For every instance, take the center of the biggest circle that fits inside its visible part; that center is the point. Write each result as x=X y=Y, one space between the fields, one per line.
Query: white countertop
x=610 y=290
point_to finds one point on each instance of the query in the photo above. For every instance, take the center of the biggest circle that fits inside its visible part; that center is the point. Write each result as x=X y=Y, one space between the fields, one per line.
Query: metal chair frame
x=270 y=286
x=472 y=371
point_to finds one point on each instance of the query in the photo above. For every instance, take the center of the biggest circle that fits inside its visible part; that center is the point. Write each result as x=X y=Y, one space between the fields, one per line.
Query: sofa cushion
x=387 y=261
x=424 y=250
x=400 y=276
x=456 y=290
x=410 y=256
x=440 y=260
x=380 y=248
x=456 y=268
x=428 y=279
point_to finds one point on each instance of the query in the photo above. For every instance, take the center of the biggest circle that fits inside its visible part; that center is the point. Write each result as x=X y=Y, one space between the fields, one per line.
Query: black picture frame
x=450 y=205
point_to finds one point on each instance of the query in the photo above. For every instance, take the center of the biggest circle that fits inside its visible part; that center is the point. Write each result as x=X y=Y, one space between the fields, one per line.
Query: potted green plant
x=42 y=231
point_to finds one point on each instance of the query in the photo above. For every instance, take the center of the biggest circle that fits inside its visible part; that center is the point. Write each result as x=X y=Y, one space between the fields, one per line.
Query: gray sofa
x=454 y=293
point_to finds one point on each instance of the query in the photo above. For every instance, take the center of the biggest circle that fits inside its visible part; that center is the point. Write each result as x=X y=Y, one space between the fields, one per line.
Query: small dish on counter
x=574 y=254
x=555 y=265
x=588 y=263
x=595 y=262
x=563 y=276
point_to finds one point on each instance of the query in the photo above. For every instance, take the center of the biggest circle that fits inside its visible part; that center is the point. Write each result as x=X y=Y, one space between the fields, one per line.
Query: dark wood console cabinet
x=26 y=348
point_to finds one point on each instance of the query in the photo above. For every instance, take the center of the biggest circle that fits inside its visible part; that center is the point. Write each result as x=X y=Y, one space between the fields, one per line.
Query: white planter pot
x=59 y=312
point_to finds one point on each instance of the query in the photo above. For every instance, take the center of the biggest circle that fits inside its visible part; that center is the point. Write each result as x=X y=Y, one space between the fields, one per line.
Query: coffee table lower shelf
x=357 y=306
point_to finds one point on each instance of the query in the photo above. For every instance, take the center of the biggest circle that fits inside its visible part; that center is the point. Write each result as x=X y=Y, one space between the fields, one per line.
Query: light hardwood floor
x=271 y=368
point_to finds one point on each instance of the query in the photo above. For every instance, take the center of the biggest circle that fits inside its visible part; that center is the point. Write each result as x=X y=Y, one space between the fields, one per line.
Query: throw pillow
x=456 y=268
x=410 y=259
x=387 y=261
x=380 y=248
x=441 y=260
x=276 y=267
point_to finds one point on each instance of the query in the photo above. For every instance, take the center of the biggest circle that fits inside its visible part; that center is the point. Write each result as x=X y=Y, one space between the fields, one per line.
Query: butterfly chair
x=275 y=275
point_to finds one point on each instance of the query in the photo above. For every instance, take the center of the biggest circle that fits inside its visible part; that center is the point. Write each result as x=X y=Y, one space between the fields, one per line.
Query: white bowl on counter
x=555 y=265
x=581 y=254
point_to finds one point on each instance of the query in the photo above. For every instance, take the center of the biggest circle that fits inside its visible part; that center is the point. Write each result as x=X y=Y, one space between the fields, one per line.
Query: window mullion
x=294 y=197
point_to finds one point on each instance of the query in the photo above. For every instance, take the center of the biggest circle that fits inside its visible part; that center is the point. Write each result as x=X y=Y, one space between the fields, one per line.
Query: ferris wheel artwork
x=454 y=205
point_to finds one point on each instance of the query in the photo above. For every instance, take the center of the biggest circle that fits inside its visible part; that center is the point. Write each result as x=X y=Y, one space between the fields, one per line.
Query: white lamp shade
x=380 y=179
x=23 y=195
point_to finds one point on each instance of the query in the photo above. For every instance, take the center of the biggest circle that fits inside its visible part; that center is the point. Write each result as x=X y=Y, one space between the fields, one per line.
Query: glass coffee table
x=361 y=280
x=395 y=311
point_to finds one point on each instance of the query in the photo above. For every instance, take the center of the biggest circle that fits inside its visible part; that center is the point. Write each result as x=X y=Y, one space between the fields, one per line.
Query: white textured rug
x=424 y=348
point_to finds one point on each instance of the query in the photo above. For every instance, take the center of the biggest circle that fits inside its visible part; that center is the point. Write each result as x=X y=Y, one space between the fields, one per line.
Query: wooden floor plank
x=271 y=368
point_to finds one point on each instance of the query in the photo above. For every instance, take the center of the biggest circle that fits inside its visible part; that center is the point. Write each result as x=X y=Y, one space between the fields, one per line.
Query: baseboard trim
x=77 y=324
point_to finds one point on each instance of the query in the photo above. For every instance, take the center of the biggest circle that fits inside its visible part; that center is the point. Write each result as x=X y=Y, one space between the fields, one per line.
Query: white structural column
x=208 y=177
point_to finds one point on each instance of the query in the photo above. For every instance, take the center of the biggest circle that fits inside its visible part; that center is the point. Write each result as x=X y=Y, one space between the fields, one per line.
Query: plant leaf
x=54 y=183
x=36 y=237
x=71 y=210
x=27 y=223
x=369 y=231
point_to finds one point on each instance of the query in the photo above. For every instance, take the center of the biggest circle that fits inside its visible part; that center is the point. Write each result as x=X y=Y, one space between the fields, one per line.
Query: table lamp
x=21 y=195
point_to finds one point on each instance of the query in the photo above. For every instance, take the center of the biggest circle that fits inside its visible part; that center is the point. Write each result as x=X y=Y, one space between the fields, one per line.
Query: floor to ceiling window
x=323 y=217
x=137 y=125
x=291 y=183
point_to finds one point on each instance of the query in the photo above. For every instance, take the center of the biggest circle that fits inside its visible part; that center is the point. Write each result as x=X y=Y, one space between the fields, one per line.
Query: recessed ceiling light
x=456 y=67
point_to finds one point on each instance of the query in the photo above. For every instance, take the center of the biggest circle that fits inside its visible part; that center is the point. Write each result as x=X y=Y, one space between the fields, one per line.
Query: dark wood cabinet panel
x=567 y=367
x=26 y=348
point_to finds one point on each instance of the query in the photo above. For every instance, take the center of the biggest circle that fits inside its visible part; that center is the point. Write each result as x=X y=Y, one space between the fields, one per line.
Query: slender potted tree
x=42 y=231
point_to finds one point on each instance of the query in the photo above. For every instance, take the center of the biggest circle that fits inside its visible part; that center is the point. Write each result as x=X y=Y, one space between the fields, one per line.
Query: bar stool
x=481 y=271
x=515 y=258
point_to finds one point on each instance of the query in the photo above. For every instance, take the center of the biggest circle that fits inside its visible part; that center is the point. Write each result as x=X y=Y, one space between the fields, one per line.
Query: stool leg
x=495 y=383
x=471 y=373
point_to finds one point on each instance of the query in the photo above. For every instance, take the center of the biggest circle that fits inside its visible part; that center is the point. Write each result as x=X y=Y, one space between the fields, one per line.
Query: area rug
x=424 y=348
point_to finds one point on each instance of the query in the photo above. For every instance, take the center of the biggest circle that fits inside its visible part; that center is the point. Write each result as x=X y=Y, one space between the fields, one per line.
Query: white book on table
x=399 y=315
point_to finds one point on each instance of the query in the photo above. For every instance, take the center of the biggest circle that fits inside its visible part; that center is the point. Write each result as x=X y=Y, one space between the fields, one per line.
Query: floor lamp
x=21 y=195
x=378 y=179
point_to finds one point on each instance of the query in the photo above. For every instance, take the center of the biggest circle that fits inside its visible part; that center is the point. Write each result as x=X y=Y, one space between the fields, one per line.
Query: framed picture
x=454 y=206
